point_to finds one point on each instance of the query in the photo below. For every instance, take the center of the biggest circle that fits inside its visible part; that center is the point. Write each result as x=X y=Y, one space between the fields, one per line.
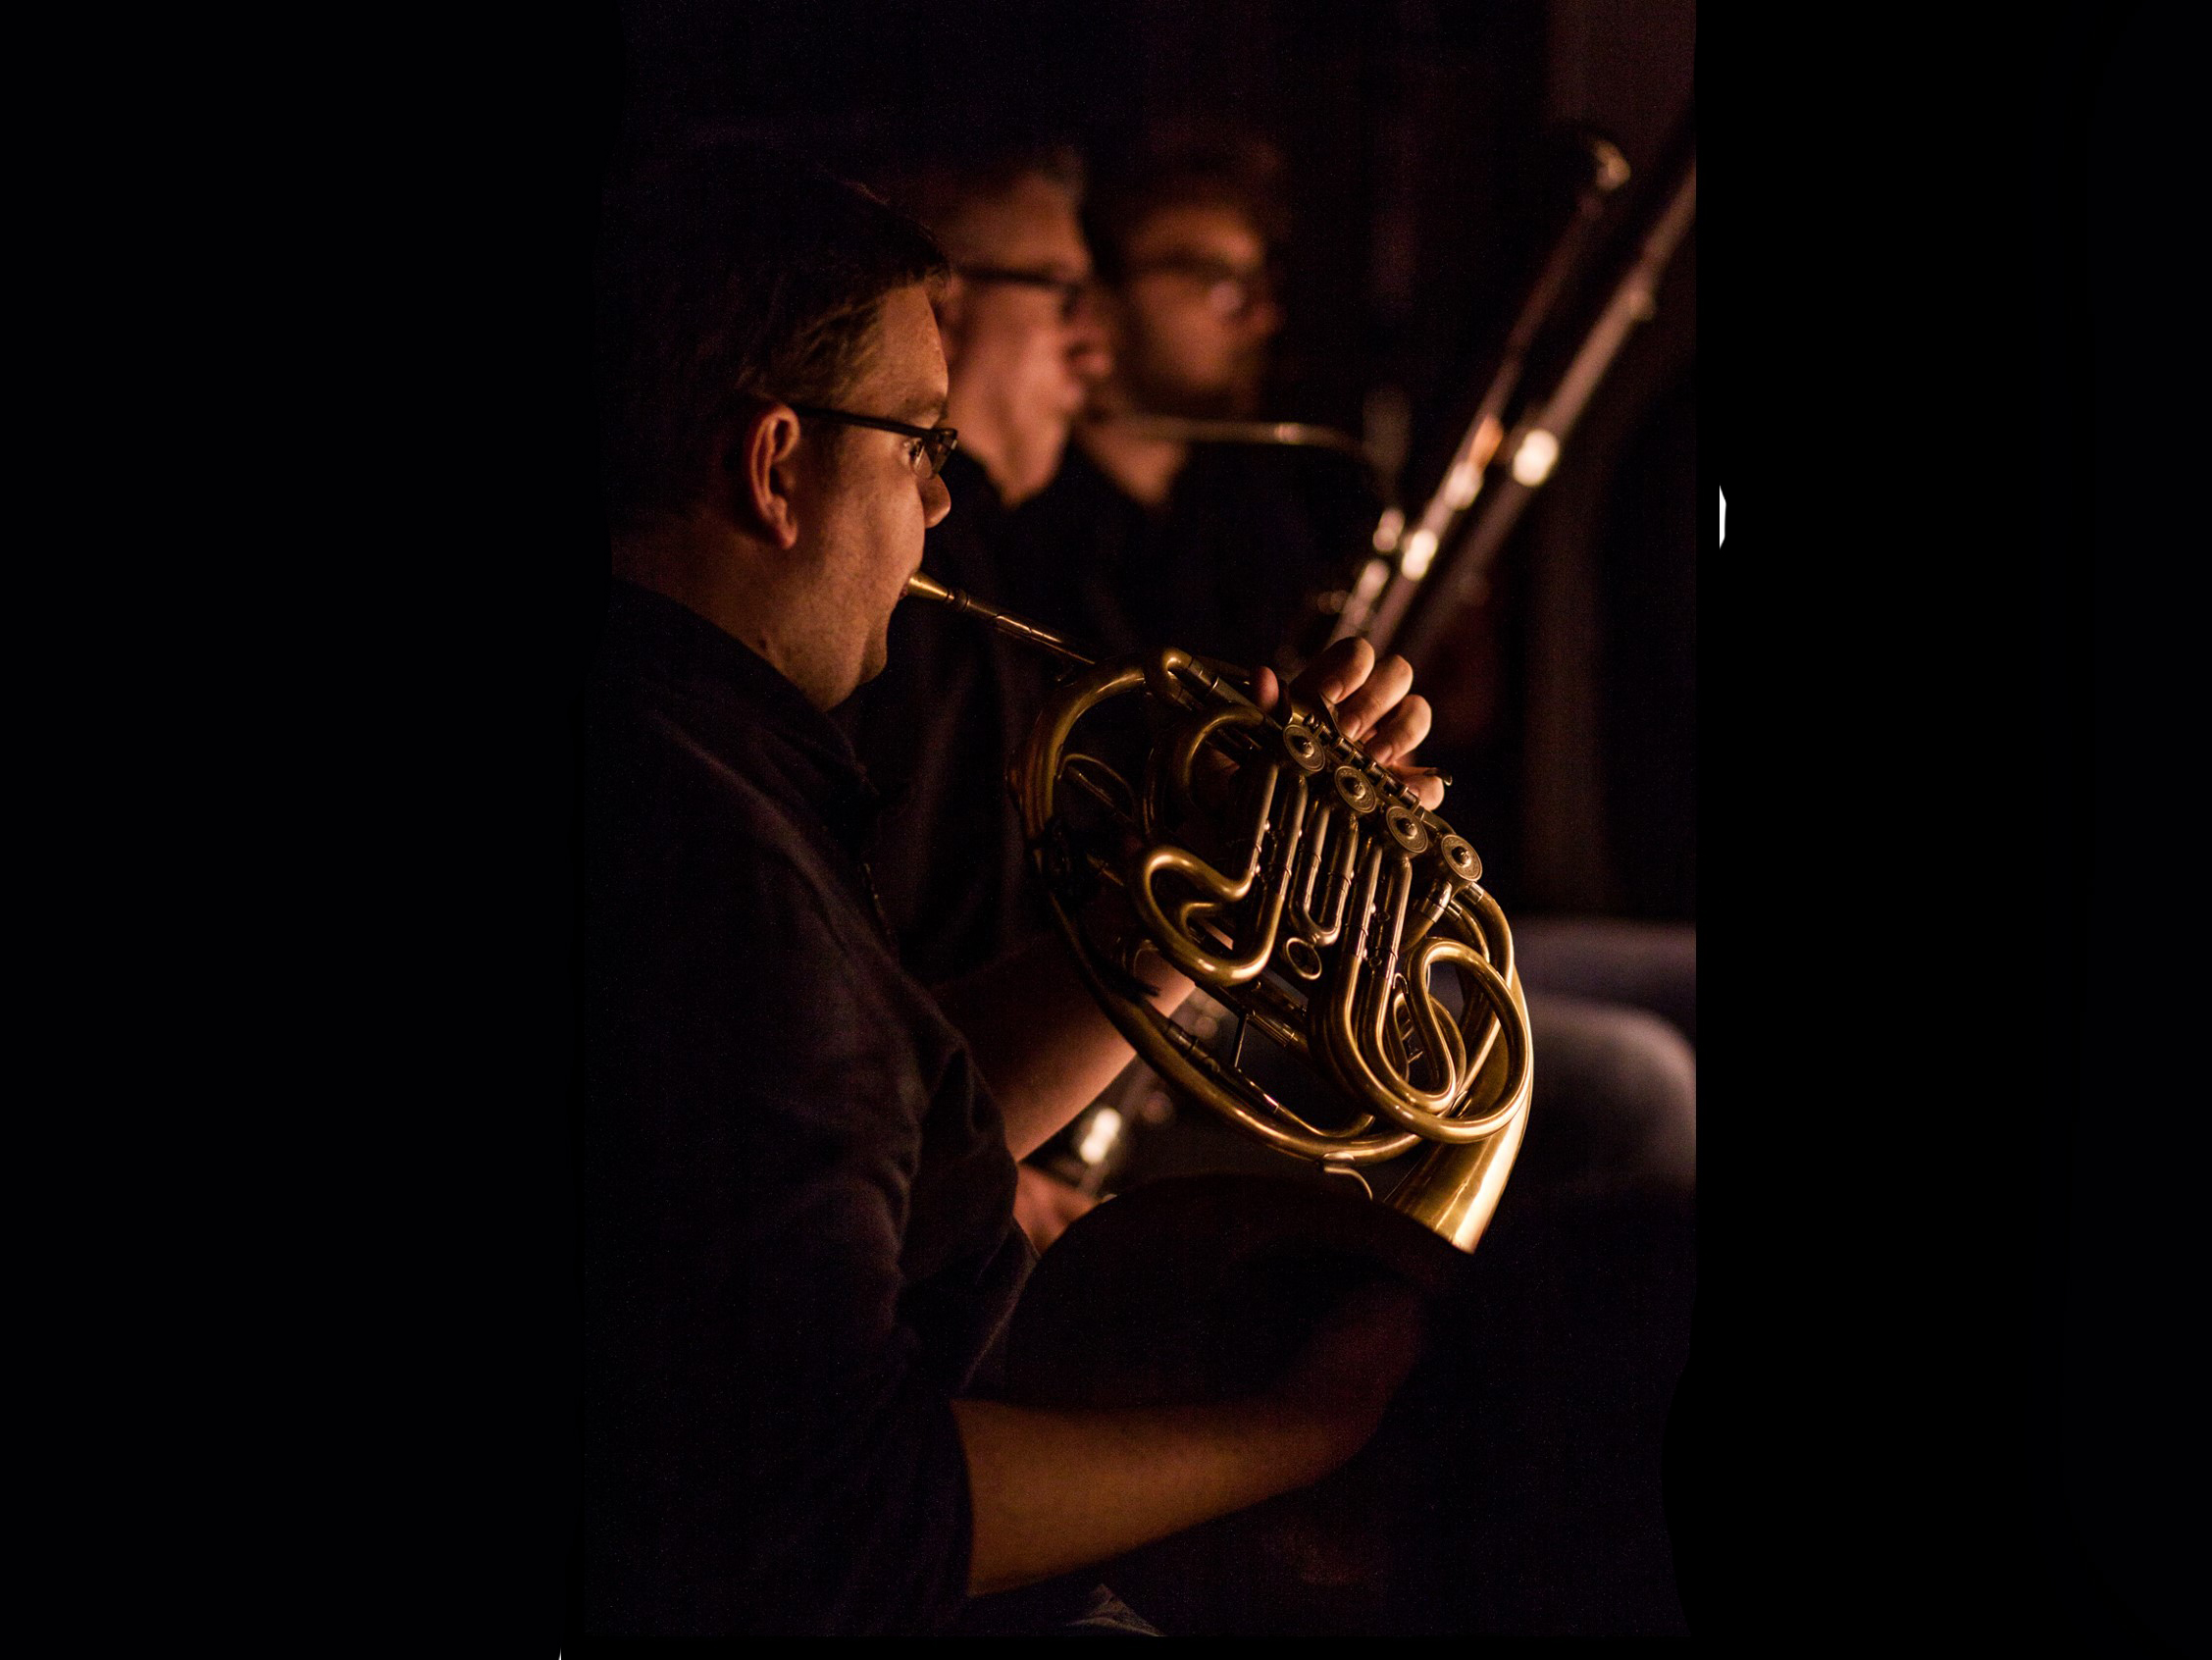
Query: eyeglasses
x=931 y=445
x=1072 y=293
x=1231 y=291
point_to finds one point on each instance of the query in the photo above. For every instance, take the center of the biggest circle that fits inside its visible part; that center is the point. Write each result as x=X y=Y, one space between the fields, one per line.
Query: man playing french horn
x=798 y=1163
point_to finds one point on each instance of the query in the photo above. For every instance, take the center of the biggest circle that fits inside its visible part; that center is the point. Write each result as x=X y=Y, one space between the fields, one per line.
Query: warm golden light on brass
x=1301 y=884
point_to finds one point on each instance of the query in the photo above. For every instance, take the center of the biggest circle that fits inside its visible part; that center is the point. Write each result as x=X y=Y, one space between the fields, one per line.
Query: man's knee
x=1616 y=1095
x=1647 y=964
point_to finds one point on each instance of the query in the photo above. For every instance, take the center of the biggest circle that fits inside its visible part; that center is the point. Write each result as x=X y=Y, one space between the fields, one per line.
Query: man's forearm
x=1052 y=1491
x=1040 y=1038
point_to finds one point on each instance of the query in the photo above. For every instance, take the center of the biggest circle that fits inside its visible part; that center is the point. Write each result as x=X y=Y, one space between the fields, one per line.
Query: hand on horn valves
x=1376 y=706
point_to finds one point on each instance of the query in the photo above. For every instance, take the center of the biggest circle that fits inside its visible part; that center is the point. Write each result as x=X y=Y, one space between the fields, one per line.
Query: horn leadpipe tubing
x=920 y=587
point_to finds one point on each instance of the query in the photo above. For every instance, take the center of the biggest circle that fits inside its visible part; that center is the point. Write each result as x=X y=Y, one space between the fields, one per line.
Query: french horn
x=1301 y=885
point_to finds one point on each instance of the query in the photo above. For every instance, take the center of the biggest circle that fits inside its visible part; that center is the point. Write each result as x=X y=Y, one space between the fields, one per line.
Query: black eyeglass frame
x=1255 y=287
x=1072 y=291
x=938 y=442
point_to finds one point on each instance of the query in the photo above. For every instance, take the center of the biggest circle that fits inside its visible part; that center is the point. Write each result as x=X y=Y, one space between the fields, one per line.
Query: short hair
x=952 y=171
x=727 y=270
x=1234 y=171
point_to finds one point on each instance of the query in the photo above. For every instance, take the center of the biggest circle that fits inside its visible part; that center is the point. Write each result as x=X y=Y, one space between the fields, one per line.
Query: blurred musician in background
x=1024 y=345
x=1211 y=545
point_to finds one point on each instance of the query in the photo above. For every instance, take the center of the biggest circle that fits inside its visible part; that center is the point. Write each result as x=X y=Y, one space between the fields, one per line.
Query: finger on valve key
x=1374 y=705
x=1329 y=678
x=1362 y=711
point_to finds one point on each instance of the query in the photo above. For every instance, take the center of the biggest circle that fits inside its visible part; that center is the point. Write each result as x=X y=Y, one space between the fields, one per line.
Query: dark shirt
x=1248 y=535
x=797 y=1199
x=935 y=731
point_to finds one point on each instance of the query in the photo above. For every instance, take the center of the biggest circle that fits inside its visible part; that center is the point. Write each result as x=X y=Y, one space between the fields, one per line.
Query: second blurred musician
x=1023 y=345
x=1211 y=546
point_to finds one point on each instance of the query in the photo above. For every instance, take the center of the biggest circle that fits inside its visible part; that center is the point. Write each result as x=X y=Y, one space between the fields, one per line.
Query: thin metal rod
x=1403 y=556
x=1632 y=302
x=920 y=587
x=1301 y=435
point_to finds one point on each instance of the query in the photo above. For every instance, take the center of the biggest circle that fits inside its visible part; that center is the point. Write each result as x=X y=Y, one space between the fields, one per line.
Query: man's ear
x=758 y=472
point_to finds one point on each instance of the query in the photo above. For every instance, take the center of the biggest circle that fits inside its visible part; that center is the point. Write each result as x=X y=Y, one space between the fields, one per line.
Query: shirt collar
x=749 y=703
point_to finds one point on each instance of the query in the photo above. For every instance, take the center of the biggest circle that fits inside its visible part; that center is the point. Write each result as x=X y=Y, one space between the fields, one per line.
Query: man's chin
x=1207 y=403
x=875 y=659
x=1241 y=398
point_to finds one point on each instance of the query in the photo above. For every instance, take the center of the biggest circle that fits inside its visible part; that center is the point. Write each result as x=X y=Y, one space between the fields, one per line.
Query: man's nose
x=1265 y=319
x=1090 y=352
x=937 y=501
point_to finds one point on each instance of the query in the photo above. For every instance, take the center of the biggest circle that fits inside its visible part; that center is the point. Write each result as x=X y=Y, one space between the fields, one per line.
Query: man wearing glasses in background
x=1023 y=346
x=1213 y=547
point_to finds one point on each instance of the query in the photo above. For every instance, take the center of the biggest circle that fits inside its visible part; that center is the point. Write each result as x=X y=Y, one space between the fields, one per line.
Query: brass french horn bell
x=1301 y=885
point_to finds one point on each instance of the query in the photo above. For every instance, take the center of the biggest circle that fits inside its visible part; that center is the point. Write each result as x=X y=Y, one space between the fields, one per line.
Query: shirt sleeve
x=768 y=1449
